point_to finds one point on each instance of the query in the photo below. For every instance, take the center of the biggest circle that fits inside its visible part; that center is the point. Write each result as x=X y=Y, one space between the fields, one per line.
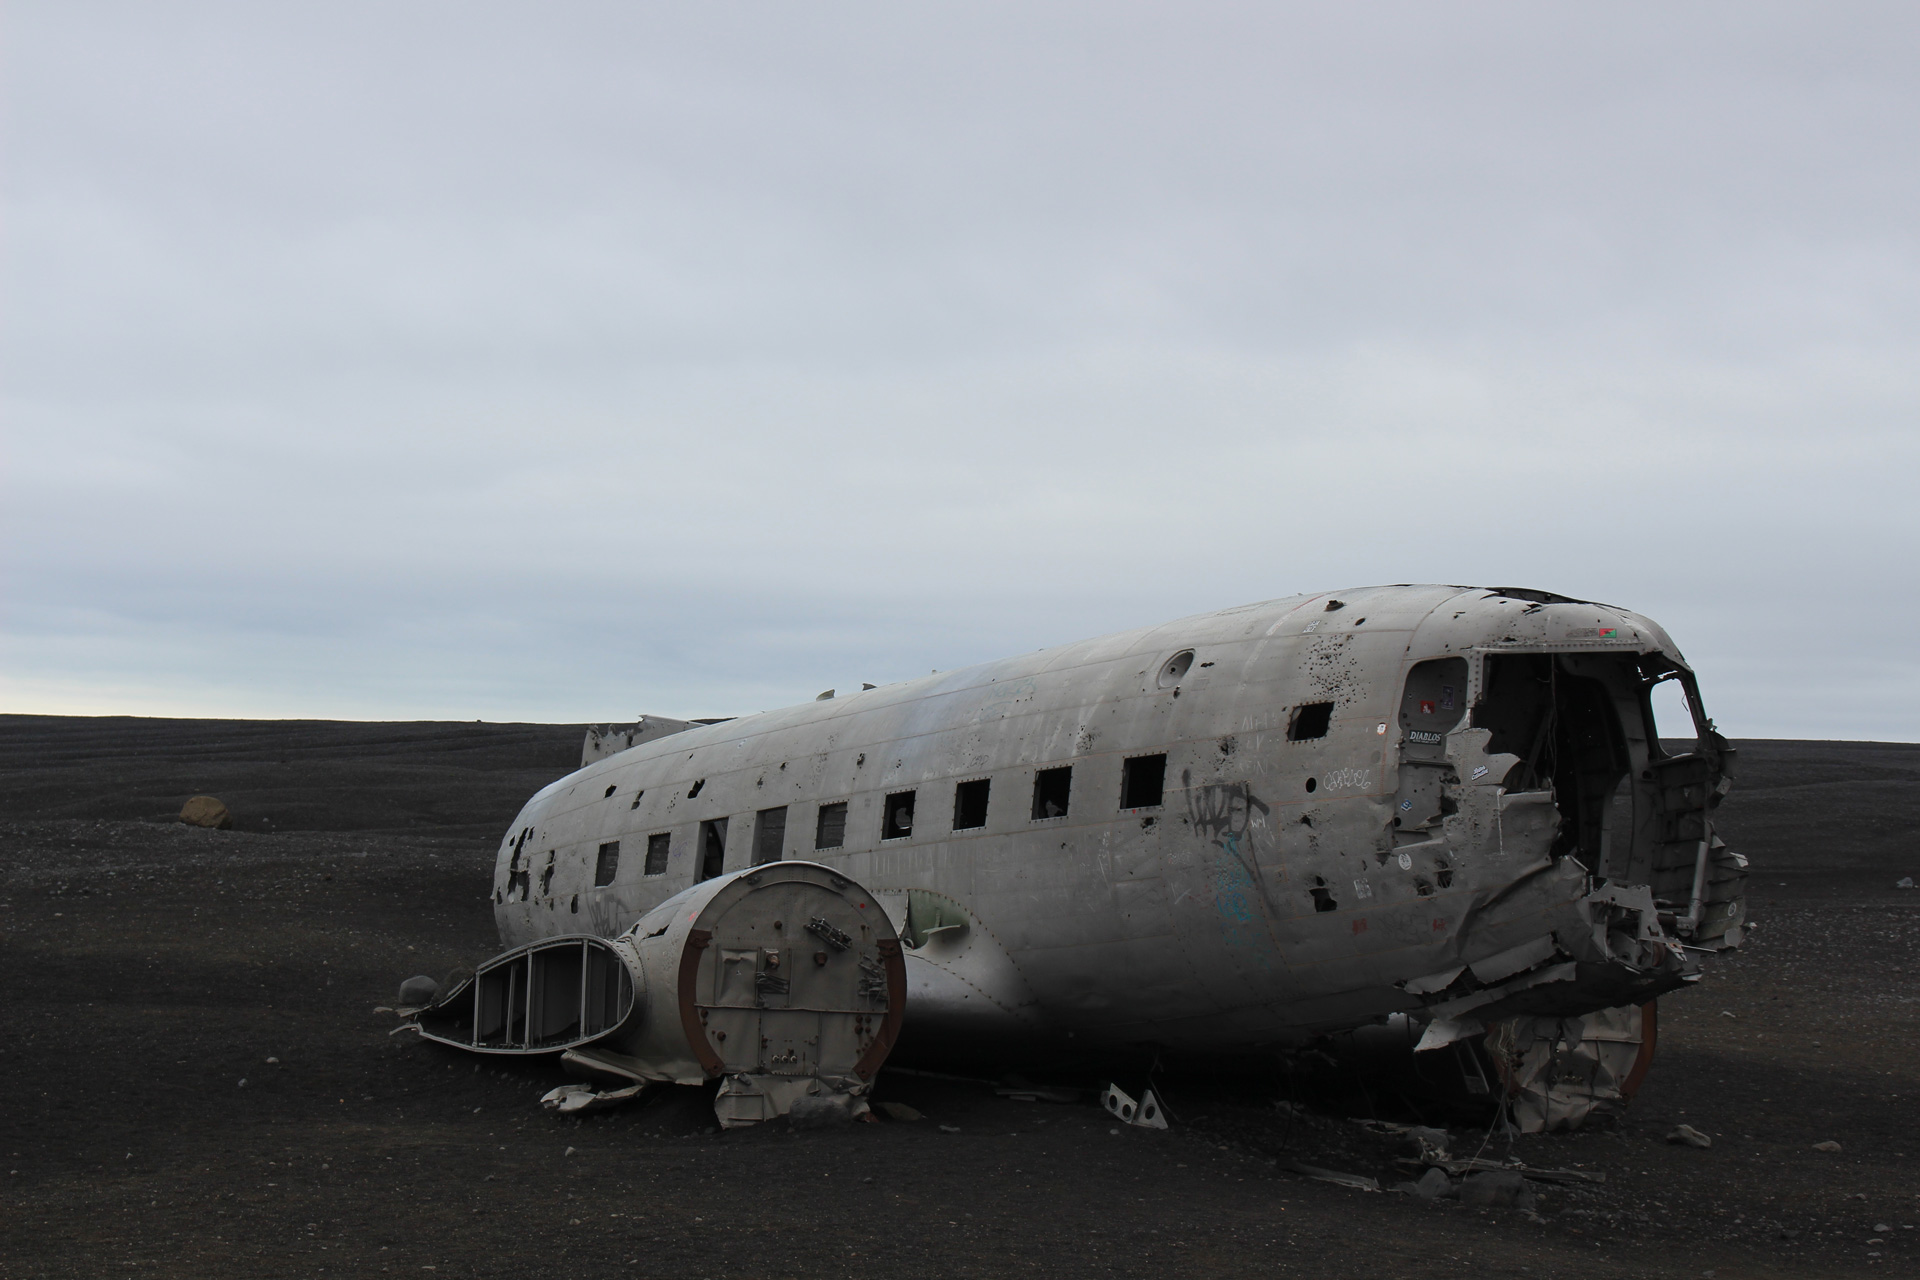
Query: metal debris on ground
x=1039 y=1093
x=1356 y=1181
x=1146 y=1113
x=571 y=1099
x=1433 y=1153
x=1687 y=1135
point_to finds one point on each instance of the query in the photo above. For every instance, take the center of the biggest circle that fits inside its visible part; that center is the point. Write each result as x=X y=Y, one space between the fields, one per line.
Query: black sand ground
x=195 y=1083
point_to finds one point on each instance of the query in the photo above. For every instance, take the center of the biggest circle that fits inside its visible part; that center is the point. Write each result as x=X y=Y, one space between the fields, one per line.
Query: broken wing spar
x=1235 y=832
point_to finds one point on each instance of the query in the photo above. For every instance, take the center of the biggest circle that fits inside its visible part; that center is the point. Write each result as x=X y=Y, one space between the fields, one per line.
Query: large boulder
x=205 y=811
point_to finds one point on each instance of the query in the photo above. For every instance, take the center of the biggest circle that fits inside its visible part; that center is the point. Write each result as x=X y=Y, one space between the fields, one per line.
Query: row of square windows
x=1142 y=786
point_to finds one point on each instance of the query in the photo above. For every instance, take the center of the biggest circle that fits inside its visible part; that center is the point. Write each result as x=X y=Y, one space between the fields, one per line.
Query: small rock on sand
x=898 y=1111
x=205 y=811
x=1828 y=1146
x=418 y=991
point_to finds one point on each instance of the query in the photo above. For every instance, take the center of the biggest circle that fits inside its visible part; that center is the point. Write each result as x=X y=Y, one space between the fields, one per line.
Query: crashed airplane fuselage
x=1234 y=832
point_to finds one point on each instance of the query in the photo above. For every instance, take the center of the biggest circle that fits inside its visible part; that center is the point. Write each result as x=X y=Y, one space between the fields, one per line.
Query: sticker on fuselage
x=1424 y=735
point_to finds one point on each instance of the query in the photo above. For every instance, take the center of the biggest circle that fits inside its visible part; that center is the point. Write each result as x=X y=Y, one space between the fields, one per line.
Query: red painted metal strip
x=883 y=1042
x=696 y=1030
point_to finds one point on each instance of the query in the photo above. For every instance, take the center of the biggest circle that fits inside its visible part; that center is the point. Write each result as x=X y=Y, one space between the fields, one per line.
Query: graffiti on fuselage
x=1234 y=820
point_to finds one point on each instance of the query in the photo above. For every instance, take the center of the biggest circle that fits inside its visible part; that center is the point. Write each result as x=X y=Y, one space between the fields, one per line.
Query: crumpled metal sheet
x=1564 y=1073
x=571 y=1099
x=748 y=1098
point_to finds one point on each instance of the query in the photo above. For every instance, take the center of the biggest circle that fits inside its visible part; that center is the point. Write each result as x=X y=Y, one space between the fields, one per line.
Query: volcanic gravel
x=197 y=1081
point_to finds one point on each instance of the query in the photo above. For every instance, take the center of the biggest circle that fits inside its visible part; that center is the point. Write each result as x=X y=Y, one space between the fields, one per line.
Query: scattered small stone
x=954 y=1128
x=569 y=1151
x=1881 y=1228
x=243 y=1082
x=273 y=1062
x=1829 y=1146
x=1434 y=1184
x=1690 y=1136
x=1904 y=882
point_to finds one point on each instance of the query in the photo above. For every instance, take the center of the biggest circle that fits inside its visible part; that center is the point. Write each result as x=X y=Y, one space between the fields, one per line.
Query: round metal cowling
x=784 y=970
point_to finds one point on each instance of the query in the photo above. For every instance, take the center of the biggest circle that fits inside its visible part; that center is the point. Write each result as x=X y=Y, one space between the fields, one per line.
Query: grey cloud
x=438 y=359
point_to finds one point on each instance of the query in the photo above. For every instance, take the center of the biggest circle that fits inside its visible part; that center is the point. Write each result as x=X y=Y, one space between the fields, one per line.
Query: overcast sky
x=567 y=361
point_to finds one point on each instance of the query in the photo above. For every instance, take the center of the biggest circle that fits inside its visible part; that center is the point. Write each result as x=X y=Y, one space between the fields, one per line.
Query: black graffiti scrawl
x=1234 y=819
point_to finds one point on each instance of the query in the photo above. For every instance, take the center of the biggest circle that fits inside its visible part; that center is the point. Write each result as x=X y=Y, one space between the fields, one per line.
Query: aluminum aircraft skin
x=1444 y=805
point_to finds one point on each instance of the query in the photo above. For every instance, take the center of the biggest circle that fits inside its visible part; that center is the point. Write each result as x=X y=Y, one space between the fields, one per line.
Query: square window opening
x=897 y=820
x=607 y=865
x=970 y=804
x=1309 y=720
x=769 y=835
x=830 y=828
x=1051 y=791
x=658 y=846
x=713 y=848
x=1143 y=781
